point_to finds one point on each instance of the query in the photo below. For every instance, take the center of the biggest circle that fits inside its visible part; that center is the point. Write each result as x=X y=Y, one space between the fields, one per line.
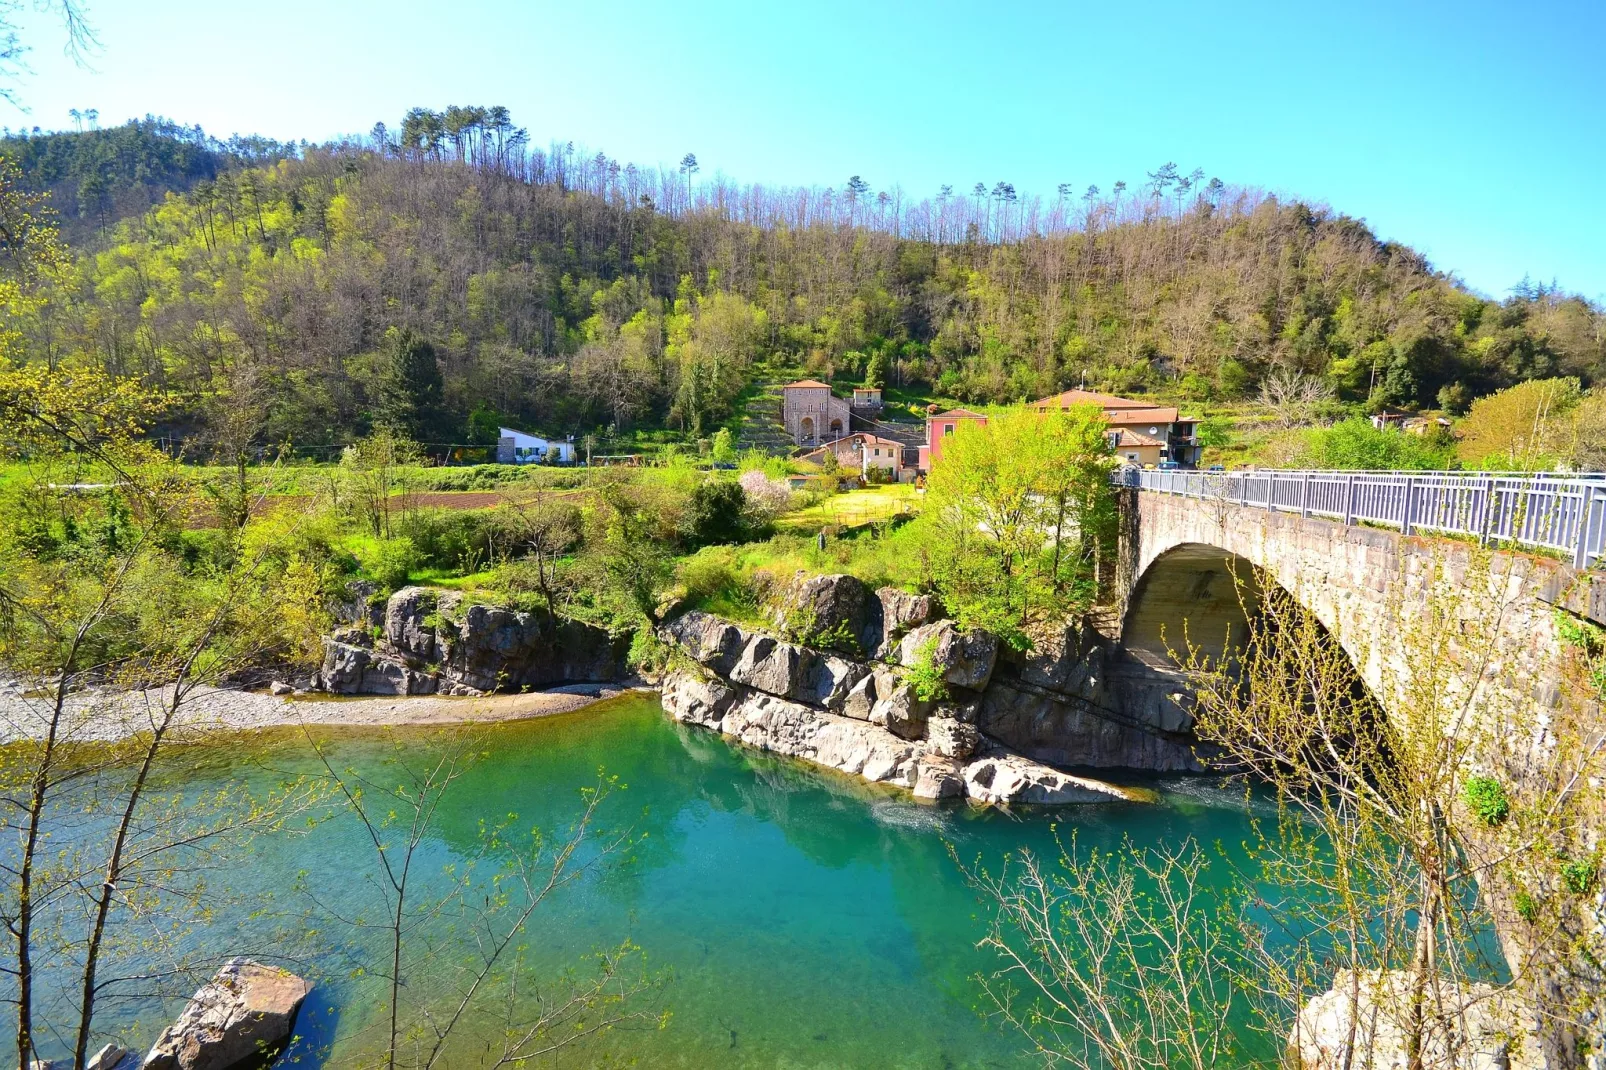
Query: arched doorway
x=806 y=429
x=836 y=428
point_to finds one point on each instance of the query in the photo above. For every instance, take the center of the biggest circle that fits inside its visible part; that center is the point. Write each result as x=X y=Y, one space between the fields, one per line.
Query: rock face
x=432 y=641
x=995 y=738
x=246 y=1011
x=1474 y=1027
x=965 y=659
x=835 y=610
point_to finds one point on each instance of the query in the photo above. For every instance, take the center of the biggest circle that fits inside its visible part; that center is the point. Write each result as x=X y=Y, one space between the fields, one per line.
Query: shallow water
x=804 y=918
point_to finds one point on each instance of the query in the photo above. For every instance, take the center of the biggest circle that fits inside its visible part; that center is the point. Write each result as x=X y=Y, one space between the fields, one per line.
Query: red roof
x=1116 y=410
x=814 y=383
x=957 y=414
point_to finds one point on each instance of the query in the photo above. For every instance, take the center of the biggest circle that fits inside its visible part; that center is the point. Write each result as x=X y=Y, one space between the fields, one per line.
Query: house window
x=878 y=451
x=947 y=429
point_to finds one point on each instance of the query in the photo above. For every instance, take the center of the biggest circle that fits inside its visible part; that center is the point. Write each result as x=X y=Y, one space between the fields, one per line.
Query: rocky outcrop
x=1068 y=731
x=899 y=612
x=930 y=767
x=965 y=659
x=434 y=641
x=239 y=1018
x=830 y=611
x=1468 y=1026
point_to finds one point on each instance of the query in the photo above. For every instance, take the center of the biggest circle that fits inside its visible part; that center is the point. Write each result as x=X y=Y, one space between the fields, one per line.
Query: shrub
x=386 y=561
x=765 y=498
x=1579 y=875
x=1486 y=798
x=1527 y=907
x=924 y=677
x=714 y=514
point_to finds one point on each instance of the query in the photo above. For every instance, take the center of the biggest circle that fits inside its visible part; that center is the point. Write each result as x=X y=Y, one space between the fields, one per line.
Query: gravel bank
x=103 y=716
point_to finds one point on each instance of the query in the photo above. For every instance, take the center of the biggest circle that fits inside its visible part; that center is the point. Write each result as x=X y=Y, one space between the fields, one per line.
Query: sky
x=1473 y=131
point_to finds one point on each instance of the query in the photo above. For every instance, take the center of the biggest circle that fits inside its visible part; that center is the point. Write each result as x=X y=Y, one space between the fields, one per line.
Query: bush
x=1356 y=444
x=1579 y=875
x=715 y=514
x=386 y=561
x=1486 y=798
x=925 y=679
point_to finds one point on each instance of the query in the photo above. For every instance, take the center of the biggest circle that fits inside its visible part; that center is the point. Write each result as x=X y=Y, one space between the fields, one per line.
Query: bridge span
x=1358 y=550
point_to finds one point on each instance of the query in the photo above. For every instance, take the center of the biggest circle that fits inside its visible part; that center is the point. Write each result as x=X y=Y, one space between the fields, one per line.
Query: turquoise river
x=796 y=917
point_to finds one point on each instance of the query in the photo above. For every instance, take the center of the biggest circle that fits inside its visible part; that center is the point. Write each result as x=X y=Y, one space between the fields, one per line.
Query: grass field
x=854 y=508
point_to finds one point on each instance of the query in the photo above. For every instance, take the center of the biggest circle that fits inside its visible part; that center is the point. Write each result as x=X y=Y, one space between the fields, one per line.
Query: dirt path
x=102 y=716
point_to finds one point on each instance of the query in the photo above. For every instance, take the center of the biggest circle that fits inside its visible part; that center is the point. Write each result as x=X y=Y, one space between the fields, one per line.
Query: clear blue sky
x=1472 y=130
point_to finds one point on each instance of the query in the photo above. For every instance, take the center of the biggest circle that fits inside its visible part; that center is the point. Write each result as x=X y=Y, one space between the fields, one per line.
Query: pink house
x=938 y=428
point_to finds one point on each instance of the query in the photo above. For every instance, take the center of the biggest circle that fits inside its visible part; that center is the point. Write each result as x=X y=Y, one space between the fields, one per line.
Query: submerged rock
x=236 y=1019
x=1002 y=778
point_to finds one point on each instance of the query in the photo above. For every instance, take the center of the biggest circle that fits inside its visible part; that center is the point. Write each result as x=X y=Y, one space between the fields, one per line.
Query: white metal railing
x=1555 y=512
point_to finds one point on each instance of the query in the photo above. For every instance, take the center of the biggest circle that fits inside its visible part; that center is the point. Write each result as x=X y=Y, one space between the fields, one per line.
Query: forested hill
x=571 y=294
x=95 y=177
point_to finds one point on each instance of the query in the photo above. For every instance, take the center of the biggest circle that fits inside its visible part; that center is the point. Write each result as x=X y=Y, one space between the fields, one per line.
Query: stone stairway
x=762 y=428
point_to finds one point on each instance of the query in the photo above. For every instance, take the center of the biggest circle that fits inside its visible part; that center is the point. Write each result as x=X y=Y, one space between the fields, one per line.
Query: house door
x=807 y=428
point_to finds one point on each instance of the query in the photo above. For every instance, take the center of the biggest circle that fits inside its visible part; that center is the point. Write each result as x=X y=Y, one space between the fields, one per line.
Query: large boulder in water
x=239 y=1018
x=691 y=699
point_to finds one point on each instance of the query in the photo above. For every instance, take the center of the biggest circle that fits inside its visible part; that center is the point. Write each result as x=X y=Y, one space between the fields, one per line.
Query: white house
x=516 y=447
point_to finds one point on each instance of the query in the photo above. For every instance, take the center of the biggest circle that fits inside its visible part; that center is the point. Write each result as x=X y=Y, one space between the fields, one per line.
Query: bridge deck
x=1550 y=512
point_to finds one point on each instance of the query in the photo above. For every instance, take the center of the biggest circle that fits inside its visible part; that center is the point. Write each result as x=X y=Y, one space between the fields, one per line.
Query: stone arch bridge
x=1193 y=545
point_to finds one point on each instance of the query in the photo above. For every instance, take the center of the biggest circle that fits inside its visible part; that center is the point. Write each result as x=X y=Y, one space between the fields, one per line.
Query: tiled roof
x=1117 y=410
x=814 y=383
x=957 y=414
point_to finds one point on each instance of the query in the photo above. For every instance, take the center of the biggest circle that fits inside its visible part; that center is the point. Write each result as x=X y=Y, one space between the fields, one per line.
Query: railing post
x=1586 y=510
x=1349 y=500
x=1405 y=510
x=1304 y=496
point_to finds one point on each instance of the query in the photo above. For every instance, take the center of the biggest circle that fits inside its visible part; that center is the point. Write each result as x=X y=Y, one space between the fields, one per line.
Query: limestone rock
x=952 y=738
x=1002 y=778
x=899 y=612
x=901 y=713
x=1478 y=1027
x=709 y=640
x=861 y=699
x=694 y=700
x=1069 y=660
x=112 y=1057
x=279 y=687
x=828 y=680
x=791 y=728
x=769 y=665
x=1068 y=731
x=490 y=648
x=832 y=609
x=342 y=668
x=939 y=778
x=409 y=632
x=246 y=1010
x=965 y=658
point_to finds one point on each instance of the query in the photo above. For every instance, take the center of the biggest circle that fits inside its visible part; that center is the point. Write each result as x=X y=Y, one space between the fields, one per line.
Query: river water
x=795 y=917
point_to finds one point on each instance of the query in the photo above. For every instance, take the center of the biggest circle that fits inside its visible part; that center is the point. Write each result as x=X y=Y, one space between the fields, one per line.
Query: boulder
x=246 y=1011
x=939 y=778
x=828 y=680
x=951 y=737
x=769 y=665
x=1004 y=779
x=342 y=668
x=1469 y=1026
x=279 y=687
x=409 y=627
x=901 y=713
x=362 y=605
x=692 y=699
x=860 y=699
x=827 y=611
x=894 y=613
x=965 y=658
x=490 y=648
x=707 y=639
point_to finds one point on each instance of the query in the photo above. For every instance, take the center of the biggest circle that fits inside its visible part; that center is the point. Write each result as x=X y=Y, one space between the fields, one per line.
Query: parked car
x=1169 y=466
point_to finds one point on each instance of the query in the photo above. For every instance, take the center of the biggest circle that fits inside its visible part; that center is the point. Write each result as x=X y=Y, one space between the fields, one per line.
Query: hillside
x=94 y=178
x=578 y=295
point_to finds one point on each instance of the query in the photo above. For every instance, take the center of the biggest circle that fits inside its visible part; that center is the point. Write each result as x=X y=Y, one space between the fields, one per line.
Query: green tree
x=411 y=394
x=1018 y=515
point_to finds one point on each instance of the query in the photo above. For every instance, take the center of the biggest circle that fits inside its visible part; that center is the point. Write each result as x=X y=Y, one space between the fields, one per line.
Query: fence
x=1566 y=513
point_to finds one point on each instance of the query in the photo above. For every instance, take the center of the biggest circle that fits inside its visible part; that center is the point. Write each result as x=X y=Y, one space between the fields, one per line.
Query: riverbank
x=104 y=716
